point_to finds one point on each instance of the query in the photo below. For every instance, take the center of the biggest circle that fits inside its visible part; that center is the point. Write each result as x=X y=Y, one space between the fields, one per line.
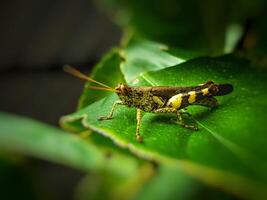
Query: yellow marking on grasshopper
x=205 y=91
x=158 y=100
x=192 y=97
x=175 y=101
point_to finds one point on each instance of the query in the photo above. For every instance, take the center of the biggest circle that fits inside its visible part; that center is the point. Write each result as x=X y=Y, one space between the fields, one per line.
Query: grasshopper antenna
x=71 y=70
x=100 y=88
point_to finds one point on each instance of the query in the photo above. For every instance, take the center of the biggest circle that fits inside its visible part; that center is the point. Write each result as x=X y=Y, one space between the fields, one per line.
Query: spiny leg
x=184 y=112
x=180 y=115
x=138 y=125
x=111 y=112
x=165 y=110
x=181 y=120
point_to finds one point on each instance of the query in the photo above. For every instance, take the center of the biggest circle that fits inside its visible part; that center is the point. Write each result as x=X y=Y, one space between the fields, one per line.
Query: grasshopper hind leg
x=183 y=117
x=183 y=120
x=210 y=102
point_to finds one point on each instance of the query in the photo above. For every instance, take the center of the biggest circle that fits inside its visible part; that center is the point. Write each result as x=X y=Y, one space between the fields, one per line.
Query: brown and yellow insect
x=160 y=99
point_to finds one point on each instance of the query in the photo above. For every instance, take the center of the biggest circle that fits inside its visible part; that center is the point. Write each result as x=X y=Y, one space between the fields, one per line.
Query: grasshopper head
x=122 y=89
x=124 y=93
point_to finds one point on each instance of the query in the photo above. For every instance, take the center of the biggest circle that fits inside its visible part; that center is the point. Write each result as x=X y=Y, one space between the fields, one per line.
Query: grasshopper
x=160 y=99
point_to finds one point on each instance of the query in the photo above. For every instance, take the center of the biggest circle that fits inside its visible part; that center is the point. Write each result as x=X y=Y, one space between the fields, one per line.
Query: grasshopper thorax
x=125 y=93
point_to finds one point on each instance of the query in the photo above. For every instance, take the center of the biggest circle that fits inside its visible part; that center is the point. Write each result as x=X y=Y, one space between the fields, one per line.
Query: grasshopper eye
x=122 y=89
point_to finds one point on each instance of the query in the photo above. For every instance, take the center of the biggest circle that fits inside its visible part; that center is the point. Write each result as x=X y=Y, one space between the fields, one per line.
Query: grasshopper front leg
x=138 y=124
x=112 y=111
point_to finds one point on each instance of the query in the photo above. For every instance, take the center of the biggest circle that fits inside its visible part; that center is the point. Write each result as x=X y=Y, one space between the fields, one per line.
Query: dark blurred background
x=37 y=38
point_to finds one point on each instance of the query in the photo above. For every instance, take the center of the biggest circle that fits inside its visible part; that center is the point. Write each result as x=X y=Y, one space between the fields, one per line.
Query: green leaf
x=141 y=55
x=199 y=27
x=188 y=25
x=229 y=149
x=103 y=185
x=29 y=137
x=183 y=24
x=171 y=183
